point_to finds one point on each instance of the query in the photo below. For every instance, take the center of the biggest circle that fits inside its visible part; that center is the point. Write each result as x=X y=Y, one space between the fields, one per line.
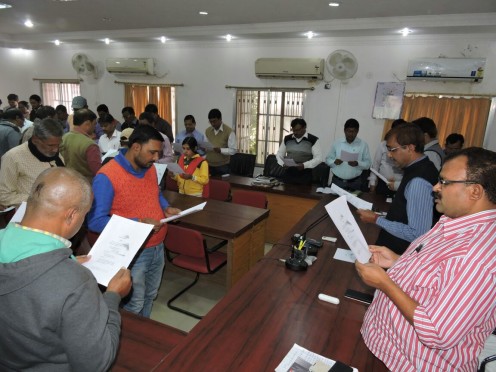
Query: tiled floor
x=200 y=299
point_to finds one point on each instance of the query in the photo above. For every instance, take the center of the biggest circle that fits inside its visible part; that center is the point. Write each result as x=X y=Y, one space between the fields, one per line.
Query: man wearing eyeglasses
x=434 y=307
x=412 y=210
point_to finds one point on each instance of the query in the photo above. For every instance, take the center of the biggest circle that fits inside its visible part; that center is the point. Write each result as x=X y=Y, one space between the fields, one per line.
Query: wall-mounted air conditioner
x=290 y=68
x=460 y=69
x=135 y=66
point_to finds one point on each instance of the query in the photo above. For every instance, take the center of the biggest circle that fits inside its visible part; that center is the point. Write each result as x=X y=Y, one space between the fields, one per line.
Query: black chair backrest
x=272 y=168
x=243 y=164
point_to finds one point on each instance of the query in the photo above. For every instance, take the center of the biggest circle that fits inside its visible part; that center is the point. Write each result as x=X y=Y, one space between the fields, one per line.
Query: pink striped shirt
x=453 y=278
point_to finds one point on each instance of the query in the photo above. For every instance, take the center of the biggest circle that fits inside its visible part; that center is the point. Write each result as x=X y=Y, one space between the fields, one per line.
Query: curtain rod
x=149 y=84
x=268 y=88
x=74 y=81
x=490 y=95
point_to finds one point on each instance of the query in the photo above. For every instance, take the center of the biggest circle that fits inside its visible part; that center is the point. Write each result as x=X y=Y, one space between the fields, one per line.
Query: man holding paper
x=53 y=316
x=434 y=307
x=412 y=210
x=128 y=187
x=349 y=157
x=299 y=153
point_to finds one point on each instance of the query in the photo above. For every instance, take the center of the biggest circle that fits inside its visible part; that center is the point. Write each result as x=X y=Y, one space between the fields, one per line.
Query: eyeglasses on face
x=444 y=182
x=393 y=149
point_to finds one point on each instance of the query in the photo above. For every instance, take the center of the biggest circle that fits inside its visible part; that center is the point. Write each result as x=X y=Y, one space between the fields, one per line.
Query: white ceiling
x=88 y=21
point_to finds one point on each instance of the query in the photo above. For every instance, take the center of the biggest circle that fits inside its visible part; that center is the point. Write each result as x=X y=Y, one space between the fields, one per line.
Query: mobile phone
x=340 y=367
x=359 y=296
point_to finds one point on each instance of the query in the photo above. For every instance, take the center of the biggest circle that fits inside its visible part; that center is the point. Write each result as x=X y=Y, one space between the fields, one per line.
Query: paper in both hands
x=352 y=199
x=288 y=162
x=341 y=215
x=348 y=156
x=379 y=175
x=116 y=247
x=160 y=168
x=194 y=209
x=175 y=168
x=19 y=214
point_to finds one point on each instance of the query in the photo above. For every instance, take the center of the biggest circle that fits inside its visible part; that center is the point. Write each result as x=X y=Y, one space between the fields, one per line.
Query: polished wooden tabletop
x=254 y=326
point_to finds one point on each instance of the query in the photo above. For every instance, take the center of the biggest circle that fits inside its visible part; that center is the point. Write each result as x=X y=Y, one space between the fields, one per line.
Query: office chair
x=187 y=249
x=489 y=349
x=242 y=164
x=219 y=190
x=272 y=168
x=170 y=184
x=251 y=198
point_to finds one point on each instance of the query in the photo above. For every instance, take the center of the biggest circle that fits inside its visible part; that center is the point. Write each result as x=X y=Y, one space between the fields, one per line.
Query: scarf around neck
x=45 y=159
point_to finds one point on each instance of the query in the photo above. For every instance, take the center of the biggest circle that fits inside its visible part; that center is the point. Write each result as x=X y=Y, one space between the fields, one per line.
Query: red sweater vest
x=136 y=197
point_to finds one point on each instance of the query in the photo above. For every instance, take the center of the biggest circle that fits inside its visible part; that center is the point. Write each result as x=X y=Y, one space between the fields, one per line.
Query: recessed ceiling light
x=202 y=12
x=28 y=23
x=163 y=39
x=57 y=42
x=5 y=6
x=106 y=41
x=406 y=31
x=228 y=37
x=310 y=34
x=334 y=3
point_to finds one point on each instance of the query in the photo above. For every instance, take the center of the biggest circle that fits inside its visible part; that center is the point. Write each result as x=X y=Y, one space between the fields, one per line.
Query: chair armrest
x=213 y=244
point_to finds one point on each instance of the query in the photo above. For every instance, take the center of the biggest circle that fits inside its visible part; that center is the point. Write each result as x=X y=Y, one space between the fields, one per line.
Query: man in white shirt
x=223 y=139
x=111 y=137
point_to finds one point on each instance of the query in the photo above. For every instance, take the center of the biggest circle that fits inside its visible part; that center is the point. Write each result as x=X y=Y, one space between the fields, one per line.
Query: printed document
x=194 y=209
x=304 y=358
x=116 y=247
x=341 y=215
x=112 y=153
x=160 y=168
x=348 y=156
x=379 y=175
x=352 y=199
x=175 y=168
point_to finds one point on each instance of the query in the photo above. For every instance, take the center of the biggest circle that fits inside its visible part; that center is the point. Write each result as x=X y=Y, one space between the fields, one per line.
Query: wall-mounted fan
x=341 y=65
x=82 y=64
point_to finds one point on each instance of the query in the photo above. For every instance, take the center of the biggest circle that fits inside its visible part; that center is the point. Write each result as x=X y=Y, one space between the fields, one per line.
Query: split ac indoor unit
x=136 y=66
x=290 y=68
x=459 y=69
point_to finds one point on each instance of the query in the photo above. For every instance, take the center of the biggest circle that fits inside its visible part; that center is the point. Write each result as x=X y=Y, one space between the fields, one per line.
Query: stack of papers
x=264 y=181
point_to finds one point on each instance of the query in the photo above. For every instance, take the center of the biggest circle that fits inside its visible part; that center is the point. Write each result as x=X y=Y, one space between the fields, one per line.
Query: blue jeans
x=146 y=273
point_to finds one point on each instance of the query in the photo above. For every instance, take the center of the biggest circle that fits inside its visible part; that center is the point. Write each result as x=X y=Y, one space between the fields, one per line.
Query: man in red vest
x=128 y=187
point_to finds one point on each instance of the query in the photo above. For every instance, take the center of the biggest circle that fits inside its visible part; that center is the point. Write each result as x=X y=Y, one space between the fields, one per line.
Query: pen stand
x=297 y=260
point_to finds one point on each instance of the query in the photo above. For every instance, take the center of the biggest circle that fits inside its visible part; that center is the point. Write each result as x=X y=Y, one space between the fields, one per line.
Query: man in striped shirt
x=435 y=305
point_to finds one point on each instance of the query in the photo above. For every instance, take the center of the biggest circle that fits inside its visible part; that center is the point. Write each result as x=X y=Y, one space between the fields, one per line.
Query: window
x=59 y=93
x=263 y=118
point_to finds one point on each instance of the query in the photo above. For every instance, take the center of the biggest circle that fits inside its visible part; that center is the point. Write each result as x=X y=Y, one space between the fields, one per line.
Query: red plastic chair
x=219 y=190
x=251 y=198
x=187 y=249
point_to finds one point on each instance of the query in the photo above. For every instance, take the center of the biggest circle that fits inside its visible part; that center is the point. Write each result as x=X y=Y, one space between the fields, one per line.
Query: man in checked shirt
x=435 y=305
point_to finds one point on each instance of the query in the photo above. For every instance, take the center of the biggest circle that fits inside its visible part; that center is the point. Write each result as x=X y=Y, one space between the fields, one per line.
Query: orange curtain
x=467 y=116
x=136 y=96
x=164 y=103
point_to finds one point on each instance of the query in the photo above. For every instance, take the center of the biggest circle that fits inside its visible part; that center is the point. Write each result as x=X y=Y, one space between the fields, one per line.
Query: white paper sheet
x=206 y=145
x=160 y=168
x=307 y=355
x=288 y=162
x=324 y=190
x=348 y=156
x=379 y=175
x=19 y=214
x=174 y=168
x=341 y=215
x=352 y=199
x=116 y=247
x=344 y=255
x=110 y=153
x=194 y=209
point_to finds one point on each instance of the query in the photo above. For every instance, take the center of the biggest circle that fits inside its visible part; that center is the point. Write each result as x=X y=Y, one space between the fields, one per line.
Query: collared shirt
x=452 y=278
x=344 y=170
x=385 y=166
x=232 y=144
x=419 y=209
x=316 y=153
x=198 y=136
x=113 y=143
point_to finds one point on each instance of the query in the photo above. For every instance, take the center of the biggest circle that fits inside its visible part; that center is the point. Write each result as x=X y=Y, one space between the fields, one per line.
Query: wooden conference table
x=242 y=226
x=287 y=203
x=255 y=325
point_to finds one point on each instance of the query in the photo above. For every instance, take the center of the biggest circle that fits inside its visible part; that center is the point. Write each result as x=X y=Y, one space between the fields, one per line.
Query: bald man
x=52 y=314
